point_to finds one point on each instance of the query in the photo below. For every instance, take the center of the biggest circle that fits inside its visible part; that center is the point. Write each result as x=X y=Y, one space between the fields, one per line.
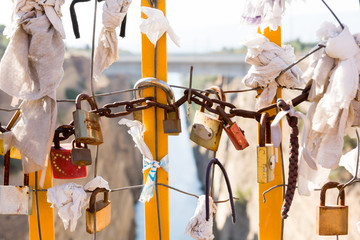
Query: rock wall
x=119 y=162
x=241 y=167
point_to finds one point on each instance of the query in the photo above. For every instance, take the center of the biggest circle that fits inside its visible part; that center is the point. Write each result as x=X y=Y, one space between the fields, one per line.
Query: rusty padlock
x=14 y=200
x=61 y=161
x=332 y=220
x=80 y=155
x=234 y=132
x=103 y=211
x=206 y=129
x=87 y=124
x=172 y=122
x=265 y=153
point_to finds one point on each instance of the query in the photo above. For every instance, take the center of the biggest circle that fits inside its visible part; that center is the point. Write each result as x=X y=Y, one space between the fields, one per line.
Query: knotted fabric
x=267 y=60
x=156 y=25
x=330 y=113
x=198 y=228
x=106 y=53
x=137 y=130
x=31 y=69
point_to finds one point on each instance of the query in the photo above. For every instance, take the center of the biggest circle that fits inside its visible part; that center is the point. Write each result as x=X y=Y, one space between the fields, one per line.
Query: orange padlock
x=234 y=132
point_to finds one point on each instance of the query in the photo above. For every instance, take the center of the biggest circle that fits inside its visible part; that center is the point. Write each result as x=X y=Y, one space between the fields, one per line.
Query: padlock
x=87 y=124
x=206 y=129
x=265 y=153
x=332 y=220
x=172 y=122
x=61 y=162
x=14 y=200
x=80 y=155
x=234 y=132
x=103 y=211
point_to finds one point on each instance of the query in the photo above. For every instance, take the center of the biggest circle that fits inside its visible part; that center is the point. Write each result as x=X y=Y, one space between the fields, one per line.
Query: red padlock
x=61 y=162
x=233 y=131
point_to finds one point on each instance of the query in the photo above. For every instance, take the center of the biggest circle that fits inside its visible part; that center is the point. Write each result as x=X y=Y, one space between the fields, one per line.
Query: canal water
x=182 y=175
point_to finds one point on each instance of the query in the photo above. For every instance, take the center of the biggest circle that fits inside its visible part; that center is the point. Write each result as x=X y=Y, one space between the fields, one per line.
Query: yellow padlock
x=87 y=124
x=332 y=220
x=265 y=154
x=207 y=129
x=102 y=211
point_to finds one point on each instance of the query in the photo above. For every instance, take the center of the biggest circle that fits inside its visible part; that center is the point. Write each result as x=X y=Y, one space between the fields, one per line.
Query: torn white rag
x=31 y=69
x=349 y=161
x=97 y=182
x=267 y=60
x=137 y=130
x=156 y=25
x=198 y=228
x=276 y=133
x=70 y=200
x=266 y=13
x=106 y=51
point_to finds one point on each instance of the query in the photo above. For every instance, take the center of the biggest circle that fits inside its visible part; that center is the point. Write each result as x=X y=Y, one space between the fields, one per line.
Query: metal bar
x=269 y=230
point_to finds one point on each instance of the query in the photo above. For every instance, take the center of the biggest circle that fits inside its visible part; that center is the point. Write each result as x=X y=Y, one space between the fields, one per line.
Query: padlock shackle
x=93 y=198
x=154 y=82
x=214 y=162
x=220 y=94
x=262 y=129
x=328 y=186
x=81 y=97
x=76 y=144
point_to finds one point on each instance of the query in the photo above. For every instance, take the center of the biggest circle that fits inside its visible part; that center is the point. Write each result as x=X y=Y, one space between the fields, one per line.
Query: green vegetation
x=71 y=93
x=3 y=41
x=300 y=47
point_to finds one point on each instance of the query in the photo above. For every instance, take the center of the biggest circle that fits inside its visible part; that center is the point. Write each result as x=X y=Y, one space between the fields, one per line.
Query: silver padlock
x=80 y=155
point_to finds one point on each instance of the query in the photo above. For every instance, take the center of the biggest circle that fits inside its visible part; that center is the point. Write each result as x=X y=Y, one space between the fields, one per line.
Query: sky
x=207 y=25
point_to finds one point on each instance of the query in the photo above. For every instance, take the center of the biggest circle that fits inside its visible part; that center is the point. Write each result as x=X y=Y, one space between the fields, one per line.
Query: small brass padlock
x=80 y=155
x=151 y=82
x=234 y=132
x=14 y=200
x=172 y=122
x=332 y=220
x=265 y=154
x=206 y=129
x=103 y=211
x=87 y=124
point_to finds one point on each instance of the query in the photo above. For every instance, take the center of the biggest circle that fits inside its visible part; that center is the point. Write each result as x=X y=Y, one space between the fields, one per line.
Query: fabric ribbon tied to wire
x=31 y=69
x=268 y=60
x=148 y=190
x=106 y=53
x=137 y=130
x=156 y=25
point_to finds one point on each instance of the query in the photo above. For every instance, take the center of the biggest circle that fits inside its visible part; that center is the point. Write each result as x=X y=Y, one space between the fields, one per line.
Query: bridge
x=211 y=64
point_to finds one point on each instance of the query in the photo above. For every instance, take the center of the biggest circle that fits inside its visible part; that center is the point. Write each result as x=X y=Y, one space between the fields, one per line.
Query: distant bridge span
x=226 y=65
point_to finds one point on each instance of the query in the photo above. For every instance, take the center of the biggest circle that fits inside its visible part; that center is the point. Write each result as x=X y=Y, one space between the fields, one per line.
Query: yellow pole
x=46 y=212
x=269 y=212
x=147 y=63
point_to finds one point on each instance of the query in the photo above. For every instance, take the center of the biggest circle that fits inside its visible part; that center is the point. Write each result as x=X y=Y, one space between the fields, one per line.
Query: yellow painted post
x=269 y=212
x=147 y=63
x=46 y=212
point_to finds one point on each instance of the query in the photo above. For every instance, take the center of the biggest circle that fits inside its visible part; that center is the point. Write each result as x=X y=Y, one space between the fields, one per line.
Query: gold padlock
x=332 y=220
x=206 y=129
x=103 y=211
x=265 y=154
x=171 y=123
x=86 y=124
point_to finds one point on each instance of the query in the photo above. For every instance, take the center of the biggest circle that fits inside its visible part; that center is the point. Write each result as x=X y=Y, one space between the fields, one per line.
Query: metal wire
x=92 y=57
x=337 y=19
x=37 y=205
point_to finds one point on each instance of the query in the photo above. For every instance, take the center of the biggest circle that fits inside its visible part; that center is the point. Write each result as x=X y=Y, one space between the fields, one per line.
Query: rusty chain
x=198 y=97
